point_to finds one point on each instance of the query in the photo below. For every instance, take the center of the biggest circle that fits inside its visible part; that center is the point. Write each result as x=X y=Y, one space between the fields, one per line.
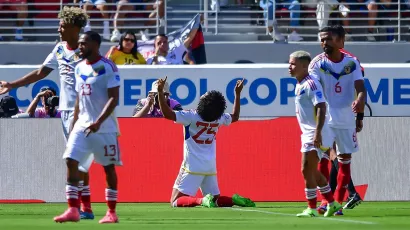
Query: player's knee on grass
x=111 y=176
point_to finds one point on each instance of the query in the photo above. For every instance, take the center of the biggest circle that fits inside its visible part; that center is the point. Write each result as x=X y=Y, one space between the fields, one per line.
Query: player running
x=311 y=114
x=198 y=168
x=341 y=77
x=94 y=126
x=64 y=57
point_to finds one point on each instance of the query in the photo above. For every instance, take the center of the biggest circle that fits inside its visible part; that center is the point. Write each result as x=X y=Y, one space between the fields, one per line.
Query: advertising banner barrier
x=268 y=90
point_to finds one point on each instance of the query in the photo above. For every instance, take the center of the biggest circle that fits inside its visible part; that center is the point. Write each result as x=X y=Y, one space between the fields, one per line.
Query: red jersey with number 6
x=337 y=79
x=200 y=141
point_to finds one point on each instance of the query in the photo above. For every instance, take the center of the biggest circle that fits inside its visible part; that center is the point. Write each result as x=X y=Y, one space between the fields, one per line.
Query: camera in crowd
x=53 y=100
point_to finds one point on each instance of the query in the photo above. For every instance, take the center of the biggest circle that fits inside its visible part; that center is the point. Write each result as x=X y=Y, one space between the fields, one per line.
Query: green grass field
x=369 y=215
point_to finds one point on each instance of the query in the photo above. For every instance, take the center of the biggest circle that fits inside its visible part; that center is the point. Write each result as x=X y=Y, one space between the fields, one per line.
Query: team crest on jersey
x=349 y=68
x=100 y=70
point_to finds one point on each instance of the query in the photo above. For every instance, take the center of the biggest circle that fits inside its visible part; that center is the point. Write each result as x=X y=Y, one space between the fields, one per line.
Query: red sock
x=324 y=168
x=326 y=193
x=343 y=179
x=187 y=201
x=311 y=197
x=80 y=189
x=224 y=201
x=86 y=199
x=71 y=193
x=111 y=198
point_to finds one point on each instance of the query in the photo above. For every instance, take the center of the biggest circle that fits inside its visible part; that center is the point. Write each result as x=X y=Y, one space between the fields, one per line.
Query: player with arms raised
x=311 y=114
x=64 y=57
x=95 y=127
x=341 y=77
x=198 y=168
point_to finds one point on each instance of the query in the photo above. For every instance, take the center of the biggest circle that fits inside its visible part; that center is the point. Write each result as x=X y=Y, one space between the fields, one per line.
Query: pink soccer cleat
x=109 y=218
x=70 y=215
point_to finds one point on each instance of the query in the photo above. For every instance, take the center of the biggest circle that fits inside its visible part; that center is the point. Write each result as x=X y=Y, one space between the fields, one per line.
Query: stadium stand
x=233 y=22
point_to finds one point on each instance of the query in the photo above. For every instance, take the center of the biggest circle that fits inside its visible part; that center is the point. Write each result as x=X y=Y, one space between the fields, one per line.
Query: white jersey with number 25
x=200 y=143
x=337 y=79
x=92 y=83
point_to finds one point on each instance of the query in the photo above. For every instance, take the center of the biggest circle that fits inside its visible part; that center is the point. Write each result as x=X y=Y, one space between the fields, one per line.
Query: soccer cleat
x=70 y=215
x=353 y=201
x=86 y=215
x=339 y=213
x=332 y=208
x=109 y=218
x=322 y=208
x=208 y=201
x=242 y=201
x=309 y=212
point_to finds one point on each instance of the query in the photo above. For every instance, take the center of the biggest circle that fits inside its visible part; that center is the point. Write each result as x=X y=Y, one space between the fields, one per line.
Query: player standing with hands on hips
x=64 y=57
x=311 y=115
x=341 y=77
x=198 y=168
x=95 y=128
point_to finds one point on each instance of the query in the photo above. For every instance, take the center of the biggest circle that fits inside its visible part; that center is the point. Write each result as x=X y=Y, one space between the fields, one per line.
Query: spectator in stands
x=369 y=5
x=217 y=4
x=123 y=5
x=149 y=107
x=46 y=111
x=8 y=107
x=323 y=10
x=175 y=56
x=20 y=6
x=126 y=52
x=293 y=6
x=103 y=7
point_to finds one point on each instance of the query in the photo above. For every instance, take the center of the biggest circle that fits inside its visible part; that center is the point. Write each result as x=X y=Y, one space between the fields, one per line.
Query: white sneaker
x=106 y=32
x=294 y=37
x=343 y=10
x=144 y=35
x=116 y=36
x=276 y=35
x=87 y=28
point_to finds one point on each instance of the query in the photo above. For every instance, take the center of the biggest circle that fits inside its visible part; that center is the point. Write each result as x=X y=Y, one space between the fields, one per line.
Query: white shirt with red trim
x=200 y=143
x=338 y=79
x=308 y=94
x=65 y=60
x=92 y=83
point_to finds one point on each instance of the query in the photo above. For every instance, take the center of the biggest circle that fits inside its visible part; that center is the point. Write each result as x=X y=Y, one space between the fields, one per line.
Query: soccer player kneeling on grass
x=95 y=127
x=198 y=168
x=311 y=115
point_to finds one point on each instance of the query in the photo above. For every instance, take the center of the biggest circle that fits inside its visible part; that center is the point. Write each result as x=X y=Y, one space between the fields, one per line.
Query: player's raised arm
x=165 y=109
x=31 y=77
x=237 y=103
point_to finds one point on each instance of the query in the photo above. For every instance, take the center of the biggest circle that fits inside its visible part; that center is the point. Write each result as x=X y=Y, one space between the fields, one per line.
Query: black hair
x=211 y=106
x=336 y=30
x=49 y=88
x=94 y=36
x=134 y=50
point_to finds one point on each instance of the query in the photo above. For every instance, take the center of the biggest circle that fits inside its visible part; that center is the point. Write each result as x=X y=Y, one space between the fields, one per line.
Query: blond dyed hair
x=74 y=16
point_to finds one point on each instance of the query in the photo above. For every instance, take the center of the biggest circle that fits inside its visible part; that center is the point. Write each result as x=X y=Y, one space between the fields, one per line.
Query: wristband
x=360 y=116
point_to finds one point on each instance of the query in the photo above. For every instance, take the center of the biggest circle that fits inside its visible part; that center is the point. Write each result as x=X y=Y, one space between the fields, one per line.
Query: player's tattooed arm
x=31 y=77
x=321 y=117
x=163 y=105
x=237 y=102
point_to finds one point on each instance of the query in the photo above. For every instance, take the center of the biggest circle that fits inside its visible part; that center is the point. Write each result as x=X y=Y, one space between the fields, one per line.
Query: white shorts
x=67 y=118
x=104 y=147
x=189 y=184
x=307 y=142
x=346 y=140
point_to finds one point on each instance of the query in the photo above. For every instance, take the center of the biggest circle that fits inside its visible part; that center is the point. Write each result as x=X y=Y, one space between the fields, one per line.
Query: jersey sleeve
x=314 y=69
x=113 y=76
x=226 y=119
x=315 y=93
x=358 y=73
x=184 y=117
x=51 y=60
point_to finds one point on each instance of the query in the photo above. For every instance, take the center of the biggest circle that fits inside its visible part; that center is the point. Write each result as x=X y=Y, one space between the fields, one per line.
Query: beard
x=328 y=50
x=86 y=54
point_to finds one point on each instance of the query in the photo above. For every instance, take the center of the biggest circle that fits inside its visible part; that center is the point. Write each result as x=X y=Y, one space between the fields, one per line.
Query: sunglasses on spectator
x=129 y=40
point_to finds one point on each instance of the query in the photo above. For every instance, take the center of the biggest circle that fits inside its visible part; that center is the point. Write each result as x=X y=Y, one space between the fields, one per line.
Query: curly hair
x=74 y=16
x=211 y=106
